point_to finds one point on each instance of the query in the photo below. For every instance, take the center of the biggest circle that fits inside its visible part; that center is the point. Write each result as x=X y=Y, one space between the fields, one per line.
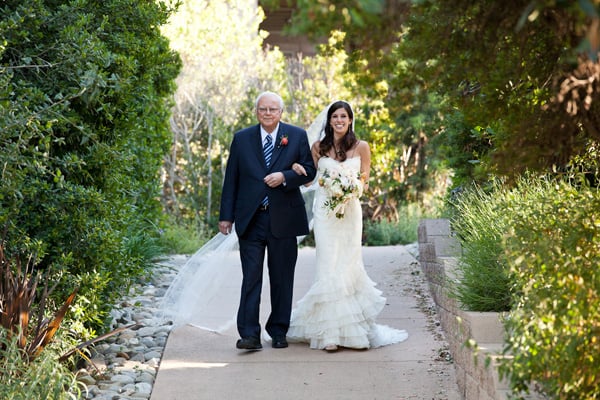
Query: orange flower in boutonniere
x=283 y=141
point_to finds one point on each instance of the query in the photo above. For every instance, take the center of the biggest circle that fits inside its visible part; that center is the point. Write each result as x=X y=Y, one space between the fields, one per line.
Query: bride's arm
x=299 y=169
x=365 y=163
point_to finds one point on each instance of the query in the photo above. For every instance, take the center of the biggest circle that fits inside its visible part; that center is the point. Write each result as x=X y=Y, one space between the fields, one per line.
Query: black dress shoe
x=249 y=343
x=279 y=342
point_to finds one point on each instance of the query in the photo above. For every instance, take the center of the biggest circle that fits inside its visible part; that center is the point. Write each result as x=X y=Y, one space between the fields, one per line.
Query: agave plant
x=18 y=292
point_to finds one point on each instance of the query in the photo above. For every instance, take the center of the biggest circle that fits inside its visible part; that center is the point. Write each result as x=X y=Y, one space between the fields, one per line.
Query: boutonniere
x=283 y=141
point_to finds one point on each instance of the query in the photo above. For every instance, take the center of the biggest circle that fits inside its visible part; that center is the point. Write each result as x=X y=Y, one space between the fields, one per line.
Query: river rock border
x=124 y=366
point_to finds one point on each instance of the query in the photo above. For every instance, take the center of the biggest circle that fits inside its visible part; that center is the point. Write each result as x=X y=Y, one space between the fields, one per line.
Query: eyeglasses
x=264 y=110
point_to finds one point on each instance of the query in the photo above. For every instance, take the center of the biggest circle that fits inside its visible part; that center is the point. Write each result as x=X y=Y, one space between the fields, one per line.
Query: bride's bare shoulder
x=315 y=147
x=362 y=147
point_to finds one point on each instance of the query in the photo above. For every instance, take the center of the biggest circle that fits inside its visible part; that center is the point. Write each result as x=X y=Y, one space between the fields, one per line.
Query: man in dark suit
x=261 y=194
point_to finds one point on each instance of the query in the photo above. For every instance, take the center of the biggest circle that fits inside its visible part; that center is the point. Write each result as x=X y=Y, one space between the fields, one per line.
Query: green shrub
x=480 y=223
x=181 y=238
x=42 y=378
x=86 y=90
x=377 y=233
x=481 y=220
x=553 y=250
x=403 y=231
x=141 y=246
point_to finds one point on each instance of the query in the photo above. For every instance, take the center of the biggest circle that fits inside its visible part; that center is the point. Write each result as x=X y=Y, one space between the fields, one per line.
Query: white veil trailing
x=201 y=280
x=198 y=282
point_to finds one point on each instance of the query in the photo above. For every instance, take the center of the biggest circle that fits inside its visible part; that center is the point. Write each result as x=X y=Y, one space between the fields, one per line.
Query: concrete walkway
x=204 y=363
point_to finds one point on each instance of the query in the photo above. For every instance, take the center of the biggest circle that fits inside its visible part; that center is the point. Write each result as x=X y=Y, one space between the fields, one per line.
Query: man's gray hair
x=260 y=96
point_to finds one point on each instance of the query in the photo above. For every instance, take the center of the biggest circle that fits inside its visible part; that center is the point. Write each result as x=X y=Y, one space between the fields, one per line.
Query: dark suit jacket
x=244 y=189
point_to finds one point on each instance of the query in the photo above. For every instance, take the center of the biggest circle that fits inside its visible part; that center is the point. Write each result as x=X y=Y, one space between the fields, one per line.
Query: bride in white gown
x=342 y=304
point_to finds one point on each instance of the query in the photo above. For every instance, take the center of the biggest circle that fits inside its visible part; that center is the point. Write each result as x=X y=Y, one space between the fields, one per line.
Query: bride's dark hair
x=349 y=139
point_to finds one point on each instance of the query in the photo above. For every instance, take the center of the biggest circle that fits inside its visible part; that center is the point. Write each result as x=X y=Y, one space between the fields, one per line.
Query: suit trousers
x=282 y=254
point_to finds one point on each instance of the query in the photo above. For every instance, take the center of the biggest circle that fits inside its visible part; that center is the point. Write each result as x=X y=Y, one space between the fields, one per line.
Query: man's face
x=268 y=112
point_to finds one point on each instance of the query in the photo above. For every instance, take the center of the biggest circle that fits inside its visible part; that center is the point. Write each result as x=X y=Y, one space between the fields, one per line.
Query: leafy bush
x=464 y=149
x=42 y=378
x=85 y=92
x=404 y=231
x=553 y=250
x=182 y=239
x=533 y=250
x=481 y=219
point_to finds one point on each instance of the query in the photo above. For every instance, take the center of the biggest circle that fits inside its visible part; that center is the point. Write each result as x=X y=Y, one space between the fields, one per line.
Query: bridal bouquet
x=341 y=185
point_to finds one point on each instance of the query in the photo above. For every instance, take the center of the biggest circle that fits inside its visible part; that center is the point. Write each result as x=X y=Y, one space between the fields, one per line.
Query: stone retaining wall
x=476 y=371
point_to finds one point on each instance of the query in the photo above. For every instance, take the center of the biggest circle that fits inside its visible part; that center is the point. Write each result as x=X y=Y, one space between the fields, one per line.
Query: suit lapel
x=257 y=145
x=278 y=148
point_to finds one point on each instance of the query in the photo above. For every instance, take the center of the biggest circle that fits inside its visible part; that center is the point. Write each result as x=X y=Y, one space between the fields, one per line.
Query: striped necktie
x=268 y=150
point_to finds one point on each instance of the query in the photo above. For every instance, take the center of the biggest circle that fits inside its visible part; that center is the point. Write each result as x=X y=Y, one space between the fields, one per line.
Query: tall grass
x=403 y=231
x=480 y=224
x=482 y=219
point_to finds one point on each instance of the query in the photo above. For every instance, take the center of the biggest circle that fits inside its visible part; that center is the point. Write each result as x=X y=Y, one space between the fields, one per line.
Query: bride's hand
x=298 y=169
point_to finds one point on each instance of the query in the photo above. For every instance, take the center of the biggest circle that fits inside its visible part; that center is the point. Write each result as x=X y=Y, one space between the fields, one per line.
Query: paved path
x=203 y=364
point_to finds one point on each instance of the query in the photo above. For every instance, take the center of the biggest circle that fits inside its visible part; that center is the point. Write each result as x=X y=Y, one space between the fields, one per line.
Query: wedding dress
x=342 y=304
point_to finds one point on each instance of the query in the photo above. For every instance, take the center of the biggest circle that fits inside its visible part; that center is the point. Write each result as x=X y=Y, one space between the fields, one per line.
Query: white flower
x=341 y=185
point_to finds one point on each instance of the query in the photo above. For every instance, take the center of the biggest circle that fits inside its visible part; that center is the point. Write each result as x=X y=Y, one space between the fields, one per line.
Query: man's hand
x=225 y=227
x=275 y=179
